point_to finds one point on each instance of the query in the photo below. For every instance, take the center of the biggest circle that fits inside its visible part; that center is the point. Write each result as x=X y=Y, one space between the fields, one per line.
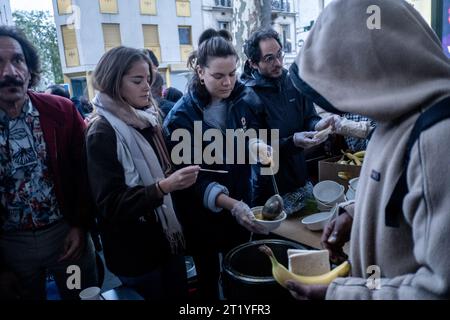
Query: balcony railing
x=277 y=5
x=224 y=3
x=281 y=5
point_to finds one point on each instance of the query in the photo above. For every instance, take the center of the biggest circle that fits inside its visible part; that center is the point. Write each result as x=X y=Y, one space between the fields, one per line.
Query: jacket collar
x=201 y=103
x=41 y=105
x=252 y=78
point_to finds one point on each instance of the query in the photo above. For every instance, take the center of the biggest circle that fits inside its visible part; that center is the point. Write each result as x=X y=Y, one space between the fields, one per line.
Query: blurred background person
x=164 y=105
x=58 y=90
x=172 y=94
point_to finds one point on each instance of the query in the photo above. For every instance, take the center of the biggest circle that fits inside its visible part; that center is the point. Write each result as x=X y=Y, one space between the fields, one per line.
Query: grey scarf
x=140 y=163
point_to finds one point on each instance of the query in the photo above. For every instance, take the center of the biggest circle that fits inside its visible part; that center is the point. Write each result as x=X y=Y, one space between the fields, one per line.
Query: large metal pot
x=247 y=272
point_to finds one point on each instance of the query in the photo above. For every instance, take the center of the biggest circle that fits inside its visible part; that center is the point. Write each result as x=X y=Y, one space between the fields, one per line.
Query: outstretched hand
x=335 y=235
x=306 y=139
x=332 y=121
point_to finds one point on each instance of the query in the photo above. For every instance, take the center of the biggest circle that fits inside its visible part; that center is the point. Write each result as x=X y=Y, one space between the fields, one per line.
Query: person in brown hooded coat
x=391 y=74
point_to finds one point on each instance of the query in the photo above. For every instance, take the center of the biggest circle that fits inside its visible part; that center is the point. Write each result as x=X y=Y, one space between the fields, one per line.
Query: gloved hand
x=353 y=129
x=306 y=139
x=260 y=151
x=328 y=121
x=246 y=218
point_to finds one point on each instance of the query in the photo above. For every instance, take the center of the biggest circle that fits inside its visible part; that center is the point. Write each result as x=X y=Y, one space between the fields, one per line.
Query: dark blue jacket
x=244 y=108
x=288 y=110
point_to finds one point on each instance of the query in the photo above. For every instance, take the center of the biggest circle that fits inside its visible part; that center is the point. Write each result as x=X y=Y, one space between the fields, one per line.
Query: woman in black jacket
x=213 y=211
x=128 y=167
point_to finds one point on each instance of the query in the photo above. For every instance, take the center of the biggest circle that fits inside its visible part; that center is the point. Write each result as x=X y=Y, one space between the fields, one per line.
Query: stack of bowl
x=352 y=185
x=328 y=193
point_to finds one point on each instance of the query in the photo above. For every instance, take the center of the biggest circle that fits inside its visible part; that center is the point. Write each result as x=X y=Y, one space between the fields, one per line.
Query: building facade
x=218 y=14
x=309 y=10
x=86 y=29
x=5 y=13
x=284 y=21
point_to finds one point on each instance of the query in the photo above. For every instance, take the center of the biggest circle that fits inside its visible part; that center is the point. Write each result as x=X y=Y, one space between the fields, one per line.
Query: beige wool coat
x=390 y=75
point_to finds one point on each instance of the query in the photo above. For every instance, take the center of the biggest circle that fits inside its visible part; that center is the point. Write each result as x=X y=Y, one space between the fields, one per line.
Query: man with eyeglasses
x=287 y=110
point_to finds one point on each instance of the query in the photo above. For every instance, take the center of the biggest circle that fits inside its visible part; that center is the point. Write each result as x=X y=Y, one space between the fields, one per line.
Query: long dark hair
x=211 y=44
x=29 y=51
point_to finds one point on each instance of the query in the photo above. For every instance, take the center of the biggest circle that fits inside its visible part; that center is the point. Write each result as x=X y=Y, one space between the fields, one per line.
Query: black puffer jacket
x=207 y=230
x=288 y=110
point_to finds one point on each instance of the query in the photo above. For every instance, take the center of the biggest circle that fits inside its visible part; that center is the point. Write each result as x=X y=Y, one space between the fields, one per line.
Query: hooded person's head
x=376 y=58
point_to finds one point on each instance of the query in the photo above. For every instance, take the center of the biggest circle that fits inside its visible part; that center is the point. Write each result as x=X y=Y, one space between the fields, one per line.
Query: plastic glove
x=260 y=151
x=353 y=129
x=328 y=121
x=246 y=218
x=306 y=139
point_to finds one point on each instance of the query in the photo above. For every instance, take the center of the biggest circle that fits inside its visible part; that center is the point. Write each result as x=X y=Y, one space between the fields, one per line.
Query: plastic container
x=247 y=272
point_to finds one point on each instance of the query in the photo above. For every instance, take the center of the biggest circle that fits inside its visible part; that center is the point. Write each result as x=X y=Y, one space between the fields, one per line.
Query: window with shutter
x=111 y=35
x=64 y=7
x=151 y=39
x=108 y=6
x=70 y=45
x=183 y=8
x=148 y=7
x=185 y=38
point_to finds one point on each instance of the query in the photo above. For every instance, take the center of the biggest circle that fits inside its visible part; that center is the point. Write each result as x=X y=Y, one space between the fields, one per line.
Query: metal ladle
x=273 y=207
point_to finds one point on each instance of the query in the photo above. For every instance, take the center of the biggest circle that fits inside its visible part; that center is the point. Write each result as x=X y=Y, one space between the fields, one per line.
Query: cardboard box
x=329 y=168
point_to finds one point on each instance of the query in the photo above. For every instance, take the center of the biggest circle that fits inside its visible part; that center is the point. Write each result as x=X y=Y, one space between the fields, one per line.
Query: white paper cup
x=91 y=293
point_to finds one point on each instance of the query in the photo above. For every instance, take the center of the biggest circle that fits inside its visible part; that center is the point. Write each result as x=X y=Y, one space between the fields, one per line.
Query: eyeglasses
x=270 y=58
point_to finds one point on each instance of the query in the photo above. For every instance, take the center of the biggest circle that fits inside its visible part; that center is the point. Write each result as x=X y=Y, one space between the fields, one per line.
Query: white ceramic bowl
x=350 y=195
x=190 y=267
x=353 y=184
x=323 y=206
x=269 y=224
x=317 y=221
x=328 y=192
x=91 y=293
